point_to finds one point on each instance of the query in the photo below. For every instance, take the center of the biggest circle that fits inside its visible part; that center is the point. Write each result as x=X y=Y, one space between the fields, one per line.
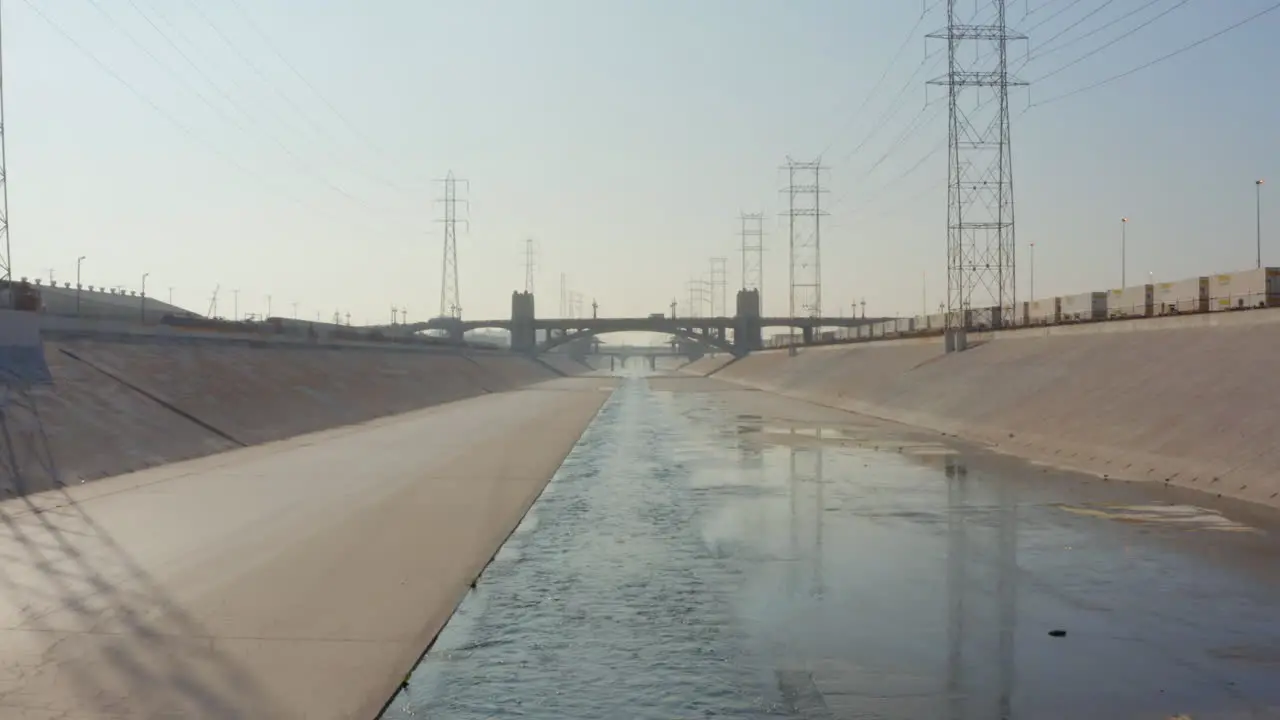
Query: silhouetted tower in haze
x=752 y=234
x=981 y=267
x=804 y=229
x=450 y=297
x=528 y=265
x=719 y=285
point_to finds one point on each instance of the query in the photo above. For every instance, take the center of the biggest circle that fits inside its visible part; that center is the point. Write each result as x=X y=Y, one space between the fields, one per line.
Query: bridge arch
x=706 y=341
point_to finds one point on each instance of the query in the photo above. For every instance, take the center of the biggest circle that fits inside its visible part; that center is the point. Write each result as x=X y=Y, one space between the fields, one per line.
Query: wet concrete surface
x=708 y=551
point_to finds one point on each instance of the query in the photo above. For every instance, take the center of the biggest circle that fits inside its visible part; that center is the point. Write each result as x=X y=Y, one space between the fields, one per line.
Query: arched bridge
x=713 y=333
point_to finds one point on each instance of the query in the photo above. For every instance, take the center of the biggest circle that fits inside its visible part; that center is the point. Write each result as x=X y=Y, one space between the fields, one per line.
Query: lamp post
x=1258 y=190
x=142 y=308
x=1124 y=226
x=79 y=260
x=1033 y=272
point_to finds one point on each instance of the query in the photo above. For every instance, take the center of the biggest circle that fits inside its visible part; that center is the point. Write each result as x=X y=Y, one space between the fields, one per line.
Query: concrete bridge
x=738 y=335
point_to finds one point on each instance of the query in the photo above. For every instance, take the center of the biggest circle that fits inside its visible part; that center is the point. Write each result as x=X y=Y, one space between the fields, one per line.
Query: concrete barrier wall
x=114 y=407
x=1193 y=404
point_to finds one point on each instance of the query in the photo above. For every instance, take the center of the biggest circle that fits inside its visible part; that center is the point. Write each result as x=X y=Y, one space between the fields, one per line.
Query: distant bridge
x=737 y=335
x=709 y=332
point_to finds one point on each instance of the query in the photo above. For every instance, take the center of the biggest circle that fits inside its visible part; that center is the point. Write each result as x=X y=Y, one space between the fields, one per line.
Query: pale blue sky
x=624 y=136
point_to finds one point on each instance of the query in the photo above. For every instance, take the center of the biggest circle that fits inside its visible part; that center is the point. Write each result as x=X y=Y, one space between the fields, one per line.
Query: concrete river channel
x=711 y=551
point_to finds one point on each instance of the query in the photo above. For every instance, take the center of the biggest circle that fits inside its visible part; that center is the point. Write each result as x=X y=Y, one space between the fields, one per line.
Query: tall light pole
x=268 y=306
x=1258 y=189
x=1124 y=226
x=142 y=308
x=1032 y=294
x=235 y=305
x=78 y=261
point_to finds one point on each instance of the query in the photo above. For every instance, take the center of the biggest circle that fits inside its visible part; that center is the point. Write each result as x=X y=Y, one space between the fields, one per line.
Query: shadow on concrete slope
x=84 y=627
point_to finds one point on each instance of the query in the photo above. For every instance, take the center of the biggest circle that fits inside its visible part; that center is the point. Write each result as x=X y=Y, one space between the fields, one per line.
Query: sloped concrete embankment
x=116 y=407
x=706 y=364
x=1193 y=406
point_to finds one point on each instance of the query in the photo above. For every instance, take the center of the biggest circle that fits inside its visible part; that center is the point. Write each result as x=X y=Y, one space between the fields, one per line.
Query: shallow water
x=731 y=555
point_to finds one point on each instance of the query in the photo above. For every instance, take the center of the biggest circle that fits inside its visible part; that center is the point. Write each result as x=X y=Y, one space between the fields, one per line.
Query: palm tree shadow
x=83 y=626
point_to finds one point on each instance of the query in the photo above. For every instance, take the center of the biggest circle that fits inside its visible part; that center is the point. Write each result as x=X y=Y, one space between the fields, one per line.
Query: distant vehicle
x=657 y=316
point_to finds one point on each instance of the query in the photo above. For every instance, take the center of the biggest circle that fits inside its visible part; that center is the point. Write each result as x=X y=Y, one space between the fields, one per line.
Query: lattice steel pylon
x=719 y=284
x=529 y=258
x=450 y=297
x=804 y=225
x=752 y=234
x=981 y=248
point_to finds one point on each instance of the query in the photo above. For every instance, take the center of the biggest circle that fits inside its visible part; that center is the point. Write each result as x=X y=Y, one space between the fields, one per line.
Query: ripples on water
x=687 y=562
x=607 y=603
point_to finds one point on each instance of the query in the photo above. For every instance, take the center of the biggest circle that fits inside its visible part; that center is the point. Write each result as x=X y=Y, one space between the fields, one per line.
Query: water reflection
x=679 y=567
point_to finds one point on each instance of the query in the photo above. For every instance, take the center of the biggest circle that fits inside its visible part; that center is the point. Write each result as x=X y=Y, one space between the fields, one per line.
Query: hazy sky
x=625 y=137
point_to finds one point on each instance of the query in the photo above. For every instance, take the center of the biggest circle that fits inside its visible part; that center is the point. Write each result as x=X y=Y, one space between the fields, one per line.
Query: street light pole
x=142 y=309
x=1124 y=226
x=1258 y=185
x=78 y=261
x=1033 y=272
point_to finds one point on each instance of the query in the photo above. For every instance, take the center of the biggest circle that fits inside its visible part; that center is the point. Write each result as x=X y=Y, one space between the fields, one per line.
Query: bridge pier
x=748 y=333
x=524 y=337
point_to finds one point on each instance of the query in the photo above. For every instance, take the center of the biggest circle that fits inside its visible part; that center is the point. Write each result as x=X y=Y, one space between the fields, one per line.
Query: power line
x=1078 y=22
x=1070 y=5
x=1162 y=58
x=261 y=74
x=167 y=116
x=1095 y=31
x=892 y=63
x=1113 y=41
x=306 y=170
x=311 y=86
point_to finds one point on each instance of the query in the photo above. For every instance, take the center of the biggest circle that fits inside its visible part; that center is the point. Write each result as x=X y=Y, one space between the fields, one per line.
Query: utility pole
x=1258 y=186
x=804 y=229
x=528 y=265
x=980 y=229
x=235 y=305
x=295 y=311
x=1032 y=291
x=142 y=307
x=673 y=309
x=450 y=297
x=752 y=234
x=170 y=295
x=268 y=306
x=6 y=266
x=595 y=309
x=79 y=260
x=1124 y=251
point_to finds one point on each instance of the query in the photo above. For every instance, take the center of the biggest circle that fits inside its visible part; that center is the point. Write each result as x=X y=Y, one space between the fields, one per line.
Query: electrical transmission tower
x=752 y=234
x=719 y=282
x=529 y=252
x=981 y=249
x=804 y=225
x=450 y=298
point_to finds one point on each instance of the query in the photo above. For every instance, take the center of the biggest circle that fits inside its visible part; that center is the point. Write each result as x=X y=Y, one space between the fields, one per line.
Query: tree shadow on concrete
x=83 y=627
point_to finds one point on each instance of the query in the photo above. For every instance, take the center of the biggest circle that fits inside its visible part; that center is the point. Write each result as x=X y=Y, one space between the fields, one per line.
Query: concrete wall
x=1186 y=400
x=118 y=406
